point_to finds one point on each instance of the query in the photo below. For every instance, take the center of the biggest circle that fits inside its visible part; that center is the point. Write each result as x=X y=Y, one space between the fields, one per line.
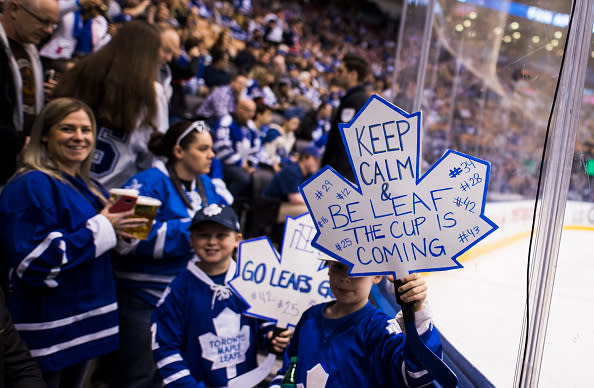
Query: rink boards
x=480 y=308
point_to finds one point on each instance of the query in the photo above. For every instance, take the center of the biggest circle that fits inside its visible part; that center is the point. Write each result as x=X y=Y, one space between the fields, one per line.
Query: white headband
x=199 y=126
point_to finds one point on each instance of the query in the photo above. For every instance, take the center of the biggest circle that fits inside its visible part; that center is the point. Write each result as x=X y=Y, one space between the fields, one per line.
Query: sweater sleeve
x=168 y=331
x=167 y=239
x=223 y=144
x=403 y=368
x=42 y=248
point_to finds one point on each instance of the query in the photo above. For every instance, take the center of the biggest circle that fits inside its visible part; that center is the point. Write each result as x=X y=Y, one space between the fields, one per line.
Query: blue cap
x=222 y=215
x=311 y=150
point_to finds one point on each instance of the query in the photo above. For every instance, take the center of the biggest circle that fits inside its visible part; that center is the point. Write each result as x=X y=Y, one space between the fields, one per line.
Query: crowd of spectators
x=229 y=91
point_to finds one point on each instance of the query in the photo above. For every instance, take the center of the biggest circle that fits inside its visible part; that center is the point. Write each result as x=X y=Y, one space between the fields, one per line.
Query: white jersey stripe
x=141 y=277
x=169 y=360
x=160 y=241
x=35 y=253
x=66 y=321
x=176 y=376
x=75 y=342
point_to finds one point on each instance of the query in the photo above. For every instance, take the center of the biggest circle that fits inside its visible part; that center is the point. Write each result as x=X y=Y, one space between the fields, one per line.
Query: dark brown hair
x=117 y=81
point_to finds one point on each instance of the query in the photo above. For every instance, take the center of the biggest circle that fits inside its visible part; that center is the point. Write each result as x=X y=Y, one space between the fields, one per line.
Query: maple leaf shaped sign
x=394 y=221
x=281 y=288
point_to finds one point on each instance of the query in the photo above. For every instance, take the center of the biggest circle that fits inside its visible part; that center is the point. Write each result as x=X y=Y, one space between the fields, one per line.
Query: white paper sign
x=394 y=221
x=281 y=288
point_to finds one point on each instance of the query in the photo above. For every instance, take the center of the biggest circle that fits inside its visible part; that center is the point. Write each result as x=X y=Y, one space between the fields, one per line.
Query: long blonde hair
x=36 y=155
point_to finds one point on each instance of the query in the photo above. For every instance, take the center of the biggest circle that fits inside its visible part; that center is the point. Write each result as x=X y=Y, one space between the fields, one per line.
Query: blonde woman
x=56 y=230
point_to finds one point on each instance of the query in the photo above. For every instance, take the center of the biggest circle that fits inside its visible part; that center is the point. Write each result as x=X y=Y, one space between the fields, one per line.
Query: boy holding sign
x=200 y=336
x=350 y=343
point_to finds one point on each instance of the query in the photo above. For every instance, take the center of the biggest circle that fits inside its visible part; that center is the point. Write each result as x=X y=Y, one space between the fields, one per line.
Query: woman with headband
x=145 y=268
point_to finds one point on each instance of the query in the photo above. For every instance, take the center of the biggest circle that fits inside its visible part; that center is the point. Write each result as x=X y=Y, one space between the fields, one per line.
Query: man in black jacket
x=22 y=25
x=350 y=75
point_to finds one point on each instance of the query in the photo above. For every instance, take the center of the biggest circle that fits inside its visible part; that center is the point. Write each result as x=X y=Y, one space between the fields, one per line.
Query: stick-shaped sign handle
x=430 y=361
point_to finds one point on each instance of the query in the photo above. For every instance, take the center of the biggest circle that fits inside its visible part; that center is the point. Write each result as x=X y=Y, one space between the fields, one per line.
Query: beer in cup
x=146 y=207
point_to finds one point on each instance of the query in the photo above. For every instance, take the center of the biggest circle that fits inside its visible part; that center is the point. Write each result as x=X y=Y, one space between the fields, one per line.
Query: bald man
x=237 y=144
x=23 y=24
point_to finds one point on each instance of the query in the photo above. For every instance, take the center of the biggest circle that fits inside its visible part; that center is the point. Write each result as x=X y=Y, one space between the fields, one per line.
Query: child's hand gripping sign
x=281 y=288
x=393 y=220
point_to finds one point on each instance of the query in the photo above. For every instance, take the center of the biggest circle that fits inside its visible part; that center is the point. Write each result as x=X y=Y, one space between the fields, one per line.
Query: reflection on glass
x=489 y=86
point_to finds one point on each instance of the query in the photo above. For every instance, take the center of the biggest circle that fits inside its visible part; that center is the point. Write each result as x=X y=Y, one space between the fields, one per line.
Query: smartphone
x=123 y=204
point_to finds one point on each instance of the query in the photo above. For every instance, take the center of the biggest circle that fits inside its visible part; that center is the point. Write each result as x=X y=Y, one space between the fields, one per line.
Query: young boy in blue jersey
x=200 y=336
x=350 y=343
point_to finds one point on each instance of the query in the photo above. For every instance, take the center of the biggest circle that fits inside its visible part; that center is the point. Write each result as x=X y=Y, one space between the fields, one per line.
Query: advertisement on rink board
x=393 y=220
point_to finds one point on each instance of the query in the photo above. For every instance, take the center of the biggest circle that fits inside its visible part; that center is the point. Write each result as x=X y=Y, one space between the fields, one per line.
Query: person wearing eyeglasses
x=23 y=24
x=145 y=268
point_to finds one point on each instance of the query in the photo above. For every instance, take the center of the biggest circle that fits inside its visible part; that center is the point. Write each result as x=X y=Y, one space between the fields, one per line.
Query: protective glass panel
x=488 y=91
x=570 y=335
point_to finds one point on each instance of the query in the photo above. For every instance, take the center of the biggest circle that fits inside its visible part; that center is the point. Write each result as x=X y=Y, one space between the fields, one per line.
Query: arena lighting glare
x=524 y=11
x=467 y=23
x=459 y=27
x=514 y=25
x=535 y=39
x=472 y=15
x=558 y=35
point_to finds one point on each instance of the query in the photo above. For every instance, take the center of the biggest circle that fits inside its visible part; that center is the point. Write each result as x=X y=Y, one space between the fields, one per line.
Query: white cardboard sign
x=393 y=220
x=281 y=288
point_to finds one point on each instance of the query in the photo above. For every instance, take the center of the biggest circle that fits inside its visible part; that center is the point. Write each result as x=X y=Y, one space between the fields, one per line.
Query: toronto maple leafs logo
x=392 y=220
x=316 y=378
x=227 y=348
x=212 y=210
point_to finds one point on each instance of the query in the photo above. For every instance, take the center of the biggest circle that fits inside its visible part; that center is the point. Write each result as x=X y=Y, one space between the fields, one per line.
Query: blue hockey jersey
x=150 y=265
x=201 y=337
x=365 y=349
x=62 y=292
x=237 y=144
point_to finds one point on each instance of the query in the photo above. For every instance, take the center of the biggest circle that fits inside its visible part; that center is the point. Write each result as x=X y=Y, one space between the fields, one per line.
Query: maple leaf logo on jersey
x=393 y=327
x=316 y=377
x=227 y=348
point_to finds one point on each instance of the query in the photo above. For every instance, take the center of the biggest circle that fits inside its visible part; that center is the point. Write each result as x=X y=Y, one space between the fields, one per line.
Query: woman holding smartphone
x=57 y=230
